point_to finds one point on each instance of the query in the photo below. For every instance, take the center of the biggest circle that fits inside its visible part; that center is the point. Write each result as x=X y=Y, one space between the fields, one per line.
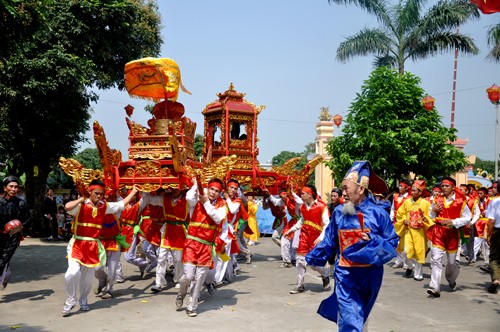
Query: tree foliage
x=198 y=145
x=493 y=37
x=388 y=126
x=89 y=158
x=406 y=32
x=487 y=166
x=306 y=155
x=55 y=52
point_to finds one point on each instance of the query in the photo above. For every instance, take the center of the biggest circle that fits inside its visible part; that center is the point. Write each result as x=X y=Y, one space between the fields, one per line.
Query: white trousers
x=107 y=275
x=301 y=270
x=161 y=267
x=482 y=245
x=413 y=264
x=194 y=279
x=131 y=256
x=78 y=277
x=451 y=272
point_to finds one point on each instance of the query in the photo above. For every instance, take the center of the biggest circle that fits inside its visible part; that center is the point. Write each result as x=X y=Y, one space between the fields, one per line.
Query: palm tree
x=407 y=33
x=494 y=42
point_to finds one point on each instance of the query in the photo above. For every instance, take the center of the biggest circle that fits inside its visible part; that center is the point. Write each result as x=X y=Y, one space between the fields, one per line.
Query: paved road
x=257 y=300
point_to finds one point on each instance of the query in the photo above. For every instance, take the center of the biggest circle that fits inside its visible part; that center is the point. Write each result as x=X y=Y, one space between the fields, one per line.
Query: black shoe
x=434 y=293
x=408 y=273
x=98 y=291
x=297 y=290
x=485 y=268
x=493 y=289
x=326 y=282
x=453 y=285
x=211 y=288
x=155 y=289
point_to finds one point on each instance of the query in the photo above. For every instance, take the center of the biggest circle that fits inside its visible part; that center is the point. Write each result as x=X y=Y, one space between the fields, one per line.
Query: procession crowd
x=195 y=240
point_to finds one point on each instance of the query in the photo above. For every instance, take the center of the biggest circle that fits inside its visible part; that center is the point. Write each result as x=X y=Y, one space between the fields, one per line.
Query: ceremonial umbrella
x=153 y=78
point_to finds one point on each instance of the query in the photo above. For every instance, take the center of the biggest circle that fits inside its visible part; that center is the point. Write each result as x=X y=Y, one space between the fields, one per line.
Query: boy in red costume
x=85 y=250
x=312 y=226
x=207 y=210
x=450 y=212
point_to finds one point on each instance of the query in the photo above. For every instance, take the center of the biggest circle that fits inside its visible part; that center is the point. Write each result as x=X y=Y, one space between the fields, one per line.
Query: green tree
x=198 y=145
x=406 y=32
x=388 y=126
x=306 y=155
x=56 y=53
x=283 y=156
x=485 y=165
x=494 y=42
x=89 y=158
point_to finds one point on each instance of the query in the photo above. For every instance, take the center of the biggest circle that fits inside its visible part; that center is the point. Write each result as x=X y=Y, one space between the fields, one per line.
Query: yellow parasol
x=154 y=79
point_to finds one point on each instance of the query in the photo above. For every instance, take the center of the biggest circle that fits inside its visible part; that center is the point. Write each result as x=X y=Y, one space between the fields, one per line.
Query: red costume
x=199 y=247
x=87 y=227
x=128 y=219
x=151 y=227
x=110 y=229
x=312 y=226
x=176 y=216
x=291 y=205
x=482 y=222
x=444 y=237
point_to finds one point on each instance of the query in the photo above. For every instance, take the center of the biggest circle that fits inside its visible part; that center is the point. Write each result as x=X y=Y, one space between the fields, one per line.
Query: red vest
x=128 y=219
x=398 y=201
x=110 y=229
x=176 y=216
x=87 y=224
x=241 y=214
x=312 y=226
x=444 y=237
x=279 y=214
x=151 y=227
x=482 y=222
x=201 y=228
x=291 y=205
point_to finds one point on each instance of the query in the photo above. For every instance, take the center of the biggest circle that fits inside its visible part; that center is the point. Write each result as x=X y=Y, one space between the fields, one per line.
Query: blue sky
x=282 y=55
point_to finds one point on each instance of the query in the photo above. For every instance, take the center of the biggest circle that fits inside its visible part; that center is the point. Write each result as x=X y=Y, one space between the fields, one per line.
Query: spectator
x=14 y=214
x=49 y=215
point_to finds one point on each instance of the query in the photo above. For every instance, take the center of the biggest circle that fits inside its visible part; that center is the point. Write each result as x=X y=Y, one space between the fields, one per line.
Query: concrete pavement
x=257 y=300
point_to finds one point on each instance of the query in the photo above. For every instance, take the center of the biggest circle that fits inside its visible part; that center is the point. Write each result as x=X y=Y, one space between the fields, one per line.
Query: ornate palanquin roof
x=234 y=101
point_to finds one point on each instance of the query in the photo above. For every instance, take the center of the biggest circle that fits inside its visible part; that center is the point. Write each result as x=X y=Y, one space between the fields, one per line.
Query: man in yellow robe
x=412 y=222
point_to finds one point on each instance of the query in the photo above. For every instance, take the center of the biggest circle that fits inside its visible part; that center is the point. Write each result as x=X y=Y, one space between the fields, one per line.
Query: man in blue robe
x=362 y=235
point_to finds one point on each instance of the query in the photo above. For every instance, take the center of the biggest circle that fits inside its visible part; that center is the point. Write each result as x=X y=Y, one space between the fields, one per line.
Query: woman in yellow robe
x=252 y=221
x=412 y=223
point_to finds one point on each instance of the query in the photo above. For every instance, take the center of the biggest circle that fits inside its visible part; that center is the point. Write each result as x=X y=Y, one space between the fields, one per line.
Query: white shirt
x=217 y=214
x=493 y=211
x=111 y=207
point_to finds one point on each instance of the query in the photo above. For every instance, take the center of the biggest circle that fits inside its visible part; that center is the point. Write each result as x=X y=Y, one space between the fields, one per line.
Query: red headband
x=437 y=188
x=233 y=183
x=447 y=182
x=405 y=185
x=308 y=190
x=95 y=186
x=215 y=184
